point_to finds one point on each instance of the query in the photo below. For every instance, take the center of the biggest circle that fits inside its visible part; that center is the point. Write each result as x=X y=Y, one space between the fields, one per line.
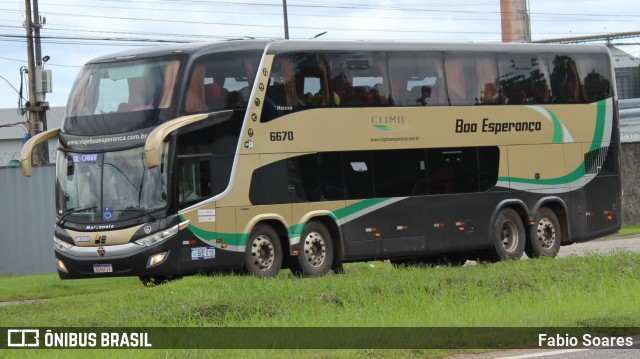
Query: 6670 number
x=281 y=136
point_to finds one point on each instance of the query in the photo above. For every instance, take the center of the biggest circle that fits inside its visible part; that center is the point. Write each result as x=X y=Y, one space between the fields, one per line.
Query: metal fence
x=27 y=219
x=12 y=159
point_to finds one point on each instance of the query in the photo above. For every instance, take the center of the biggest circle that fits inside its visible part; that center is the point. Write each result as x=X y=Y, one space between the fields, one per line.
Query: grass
x=594 y=290
x=628 y=231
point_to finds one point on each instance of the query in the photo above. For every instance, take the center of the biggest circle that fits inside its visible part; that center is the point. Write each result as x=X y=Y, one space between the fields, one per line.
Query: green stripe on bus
x=558 y=134
x=600 y=125
x=579 y=172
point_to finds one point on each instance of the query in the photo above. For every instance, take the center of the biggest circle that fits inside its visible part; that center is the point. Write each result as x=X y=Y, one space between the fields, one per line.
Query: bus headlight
x=61 y=245
x=157 y=237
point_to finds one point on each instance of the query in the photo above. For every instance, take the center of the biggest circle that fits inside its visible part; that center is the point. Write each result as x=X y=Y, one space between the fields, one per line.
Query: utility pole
x=286 y=19
x=37 y=107
x=516 y=26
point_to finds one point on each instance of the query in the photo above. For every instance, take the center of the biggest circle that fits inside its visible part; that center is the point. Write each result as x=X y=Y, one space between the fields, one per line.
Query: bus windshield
x=126 y=95
x=108 y=187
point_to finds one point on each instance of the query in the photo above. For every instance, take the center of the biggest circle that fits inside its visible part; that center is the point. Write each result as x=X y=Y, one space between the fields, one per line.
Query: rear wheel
x=316 y=251
x=545 y=235
x=508 y=235
x=263 y=255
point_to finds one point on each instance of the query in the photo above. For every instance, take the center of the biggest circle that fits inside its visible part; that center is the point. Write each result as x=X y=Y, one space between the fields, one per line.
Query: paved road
x=607 y=245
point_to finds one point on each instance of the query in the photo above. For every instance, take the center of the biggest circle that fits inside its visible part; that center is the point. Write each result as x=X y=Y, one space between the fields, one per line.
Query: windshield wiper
x=139 y=210
x=74 y=211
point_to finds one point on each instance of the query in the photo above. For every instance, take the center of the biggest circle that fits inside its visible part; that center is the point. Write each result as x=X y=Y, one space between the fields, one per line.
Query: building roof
x=622 y=59
x=55 y=115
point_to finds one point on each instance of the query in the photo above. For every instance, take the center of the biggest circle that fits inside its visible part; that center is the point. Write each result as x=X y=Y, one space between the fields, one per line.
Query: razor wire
x=12 y=159
x=629 y=137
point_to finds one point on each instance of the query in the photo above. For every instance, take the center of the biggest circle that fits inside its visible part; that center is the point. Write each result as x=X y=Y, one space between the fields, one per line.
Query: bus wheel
x=545 y=235
x=316 y=251
x=263 y=256
x=508 y=235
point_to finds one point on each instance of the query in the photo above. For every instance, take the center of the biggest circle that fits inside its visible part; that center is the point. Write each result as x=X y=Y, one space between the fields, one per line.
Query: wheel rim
x=546 y=233
x=263 y=252
x=509 y=236
x=315 y=249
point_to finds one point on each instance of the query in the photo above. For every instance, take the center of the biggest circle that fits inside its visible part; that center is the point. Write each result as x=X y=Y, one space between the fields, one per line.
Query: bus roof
x=279 y=46
x=189 y=49
x=287 y=46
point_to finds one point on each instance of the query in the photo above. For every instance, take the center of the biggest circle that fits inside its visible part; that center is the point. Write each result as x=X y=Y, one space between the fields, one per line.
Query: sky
x=78 y=30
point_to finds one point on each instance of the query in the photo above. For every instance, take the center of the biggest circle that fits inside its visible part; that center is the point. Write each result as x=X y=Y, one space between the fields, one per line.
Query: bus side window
x=472 y=79
x=359 y=79
x=524 y=79
x=298 y=81
x=417 y=79
x=565 y=86
x=594 y=76
x=194 y=179
x=358 y=174
x=220 y=82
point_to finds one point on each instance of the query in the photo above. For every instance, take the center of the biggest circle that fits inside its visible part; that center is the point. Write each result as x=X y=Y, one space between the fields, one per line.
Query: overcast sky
x=79 y=30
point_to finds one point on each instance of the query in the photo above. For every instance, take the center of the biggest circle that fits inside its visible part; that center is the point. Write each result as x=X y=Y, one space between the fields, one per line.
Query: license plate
x=203 y=253
x=102 y=268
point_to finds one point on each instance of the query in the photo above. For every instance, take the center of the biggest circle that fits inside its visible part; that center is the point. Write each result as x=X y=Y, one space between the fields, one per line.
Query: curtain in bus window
x=438 y=96
x=170 y=76
x=288 y=72
x=455 y=81
x=487 y=80
x=195 y=96
x=79 y=96
x=250 y=65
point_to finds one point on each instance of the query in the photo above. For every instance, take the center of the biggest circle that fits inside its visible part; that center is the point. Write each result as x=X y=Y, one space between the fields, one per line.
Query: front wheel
x=263 y=255
x=545 y=235
x=316 y=251
x=508 y=235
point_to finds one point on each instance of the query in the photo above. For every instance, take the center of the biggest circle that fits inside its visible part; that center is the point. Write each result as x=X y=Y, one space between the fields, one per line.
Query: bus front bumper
x=122 y=260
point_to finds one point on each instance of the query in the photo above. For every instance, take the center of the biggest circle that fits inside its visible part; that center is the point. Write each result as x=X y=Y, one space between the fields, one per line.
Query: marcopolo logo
x=23 y=338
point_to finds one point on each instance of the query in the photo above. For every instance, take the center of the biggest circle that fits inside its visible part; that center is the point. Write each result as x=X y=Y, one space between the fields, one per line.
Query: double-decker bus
x=262 y=155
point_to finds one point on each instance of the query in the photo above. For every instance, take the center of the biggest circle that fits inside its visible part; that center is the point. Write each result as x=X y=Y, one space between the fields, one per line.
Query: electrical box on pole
x=43 y=81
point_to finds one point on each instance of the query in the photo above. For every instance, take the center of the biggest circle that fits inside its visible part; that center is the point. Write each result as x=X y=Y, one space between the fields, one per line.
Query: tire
x=315 y=256
x=263 y=255
x=508 y=235
x=545 y=236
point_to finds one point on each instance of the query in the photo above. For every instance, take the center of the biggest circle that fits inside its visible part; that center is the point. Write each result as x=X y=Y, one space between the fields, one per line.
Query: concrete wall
x=631 y=183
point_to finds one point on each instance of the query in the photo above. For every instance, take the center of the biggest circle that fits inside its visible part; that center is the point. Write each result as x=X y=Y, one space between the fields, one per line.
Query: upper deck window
x=221 y=82
x=298 y=81
x=417 y=79
x=122 y=96
x=524 y=79
x=472 y=78
x=123 y=87
x=359 y=79
x=595 y=76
